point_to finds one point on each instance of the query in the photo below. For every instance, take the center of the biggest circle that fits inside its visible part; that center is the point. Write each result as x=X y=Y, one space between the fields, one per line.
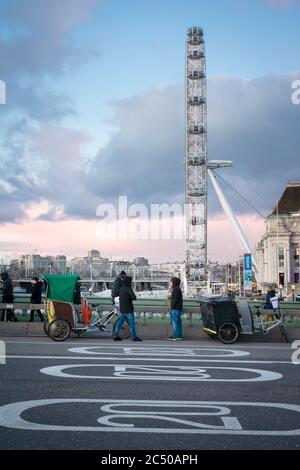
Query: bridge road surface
x=98 y=394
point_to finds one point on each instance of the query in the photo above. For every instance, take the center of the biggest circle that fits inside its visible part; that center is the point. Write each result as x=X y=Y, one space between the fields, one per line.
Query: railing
x=147 y=308
x=136 y=277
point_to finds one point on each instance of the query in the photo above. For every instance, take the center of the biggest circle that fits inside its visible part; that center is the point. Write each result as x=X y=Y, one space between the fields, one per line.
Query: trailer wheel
x=59 y=329
x=228 y=333
x=46 y=327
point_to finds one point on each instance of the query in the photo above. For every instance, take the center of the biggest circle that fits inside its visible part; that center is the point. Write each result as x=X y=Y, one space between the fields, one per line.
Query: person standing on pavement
x=7 y=297
x=36 y=297
x=126 y=297
x=169 y=299
x=176 y=310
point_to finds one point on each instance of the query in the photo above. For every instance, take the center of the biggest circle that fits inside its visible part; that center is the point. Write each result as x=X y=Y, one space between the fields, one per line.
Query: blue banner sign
x=248 y=271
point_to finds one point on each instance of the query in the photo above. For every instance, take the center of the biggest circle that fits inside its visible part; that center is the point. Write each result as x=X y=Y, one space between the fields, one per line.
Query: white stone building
x=278 y=251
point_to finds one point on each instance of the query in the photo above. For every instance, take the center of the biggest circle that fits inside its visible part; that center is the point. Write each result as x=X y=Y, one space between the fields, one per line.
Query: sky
x=95 y=109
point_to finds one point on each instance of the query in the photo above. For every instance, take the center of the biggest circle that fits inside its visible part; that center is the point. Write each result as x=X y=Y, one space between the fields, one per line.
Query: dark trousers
x=10 y=316
x=39 y=314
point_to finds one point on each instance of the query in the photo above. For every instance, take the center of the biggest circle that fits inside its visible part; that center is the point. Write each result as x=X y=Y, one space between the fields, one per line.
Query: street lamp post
x=293 y=291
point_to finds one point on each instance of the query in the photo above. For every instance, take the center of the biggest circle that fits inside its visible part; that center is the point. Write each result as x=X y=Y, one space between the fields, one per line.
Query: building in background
x=279 y=249
x=141 y=261
x=90 y=266
x=94 y=254
x=36 y=265
x=60 y=264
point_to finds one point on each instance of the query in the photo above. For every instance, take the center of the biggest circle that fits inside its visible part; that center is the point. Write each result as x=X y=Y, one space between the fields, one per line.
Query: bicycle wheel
x=124 y=331
x=46 y=327
x=228 y=333
x=59 y=329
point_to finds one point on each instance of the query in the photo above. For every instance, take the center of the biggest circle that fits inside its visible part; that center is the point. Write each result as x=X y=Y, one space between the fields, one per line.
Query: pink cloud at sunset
x=77 y=237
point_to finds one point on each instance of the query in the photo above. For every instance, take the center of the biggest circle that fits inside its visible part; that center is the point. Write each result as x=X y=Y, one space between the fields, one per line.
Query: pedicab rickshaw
x=226 y=320
x=63 y=318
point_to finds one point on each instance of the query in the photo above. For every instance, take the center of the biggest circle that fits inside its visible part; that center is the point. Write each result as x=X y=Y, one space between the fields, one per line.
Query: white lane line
x=126 y=358
x=161 y=373
x=115 y=346
x=186 y=415
x=162 y=351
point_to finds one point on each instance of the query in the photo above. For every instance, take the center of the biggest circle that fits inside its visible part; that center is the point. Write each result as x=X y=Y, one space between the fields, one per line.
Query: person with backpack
x=126 y=296
x=118 y=282
x=176 y=310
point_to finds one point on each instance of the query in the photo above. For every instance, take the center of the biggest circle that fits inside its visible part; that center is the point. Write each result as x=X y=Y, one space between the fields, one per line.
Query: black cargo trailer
x=221 y=318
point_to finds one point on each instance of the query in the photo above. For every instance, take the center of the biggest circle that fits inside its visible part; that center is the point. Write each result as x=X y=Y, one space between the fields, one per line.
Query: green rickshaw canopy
x=61 y=286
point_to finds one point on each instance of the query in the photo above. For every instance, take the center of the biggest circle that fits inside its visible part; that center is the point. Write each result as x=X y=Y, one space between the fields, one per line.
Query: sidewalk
x=157 y=331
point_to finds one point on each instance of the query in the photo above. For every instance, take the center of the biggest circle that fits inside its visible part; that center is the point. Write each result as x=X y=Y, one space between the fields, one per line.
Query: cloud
x=255 y=124
x=36 y=48
x=33 y=143
x=76 y=237
x=252 y=122
x=41 y=43
x=48 y=168
x=281 y=3
x=144 y=159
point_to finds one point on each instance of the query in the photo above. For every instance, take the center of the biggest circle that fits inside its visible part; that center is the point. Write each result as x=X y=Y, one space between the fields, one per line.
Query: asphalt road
x=97 y=394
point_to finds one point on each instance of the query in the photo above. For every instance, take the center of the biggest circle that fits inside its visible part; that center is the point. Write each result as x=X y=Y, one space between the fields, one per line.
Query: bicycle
x=226 y=320
x=278 y=321
x=67 y=320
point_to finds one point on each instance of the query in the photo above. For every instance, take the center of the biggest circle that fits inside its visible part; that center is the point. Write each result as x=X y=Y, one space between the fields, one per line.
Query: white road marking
x=114 y=346
x=187 y=422
x=161 y=373
x=157 y=351
x=126 y=358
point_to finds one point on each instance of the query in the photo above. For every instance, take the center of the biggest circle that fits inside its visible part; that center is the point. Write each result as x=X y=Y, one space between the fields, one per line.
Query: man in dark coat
x=36 y=297
x=126 y=296
x=118 y=282
x=7 y=297
x=176 y=309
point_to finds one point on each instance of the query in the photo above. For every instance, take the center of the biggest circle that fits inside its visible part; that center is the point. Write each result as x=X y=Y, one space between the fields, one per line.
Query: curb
x=26 y=329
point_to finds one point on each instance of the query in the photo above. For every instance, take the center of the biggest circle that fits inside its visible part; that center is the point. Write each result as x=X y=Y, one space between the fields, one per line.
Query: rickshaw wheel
x=228 y=333
x=59 y=329
x=124 y=331
x=46 y=327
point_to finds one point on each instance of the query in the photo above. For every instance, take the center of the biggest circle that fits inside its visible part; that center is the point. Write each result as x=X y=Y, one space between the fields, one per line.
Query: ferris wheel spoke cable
x=240 y=195
x=258 y=194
